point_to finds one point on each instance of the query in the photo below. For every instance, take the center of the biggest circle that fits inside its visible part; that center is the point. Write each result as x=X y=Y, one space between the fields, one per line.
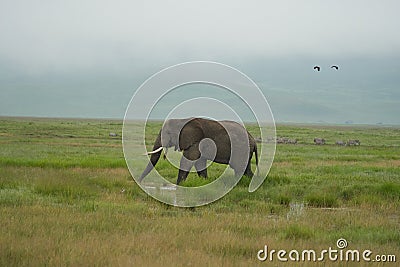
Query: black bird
x=318 y=68
x=334 y=67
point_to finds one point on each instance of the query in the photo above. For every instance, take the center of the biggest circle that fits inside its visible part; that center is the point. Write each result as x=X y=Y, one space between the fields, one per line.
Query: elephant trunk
x=155 y=156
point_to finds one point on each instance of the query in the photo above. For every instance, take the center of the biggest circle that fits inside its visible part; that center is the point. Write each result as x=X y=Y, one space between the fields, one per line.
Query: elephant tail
x=256 y=154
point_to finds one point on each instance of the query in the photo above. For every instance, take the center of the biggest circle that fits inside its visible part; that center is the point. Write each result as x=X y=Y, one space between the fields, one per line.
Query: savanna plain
x=67 y=199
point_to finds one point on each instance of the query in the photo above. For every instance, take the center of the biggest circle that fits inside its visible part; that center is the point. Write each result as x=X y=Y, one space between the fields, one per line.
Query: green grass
x=67 y=198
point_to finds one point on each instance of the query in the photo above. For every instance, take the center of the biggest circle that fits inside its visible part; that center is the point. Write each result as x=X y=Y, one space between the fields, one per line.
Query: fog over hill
x=74 y=59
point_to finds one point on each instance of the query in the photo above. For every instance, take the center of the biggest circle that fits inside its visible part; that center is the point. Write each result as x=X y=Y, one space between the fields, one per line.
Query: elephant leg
x=201 y=167
x=184 y=169
x=238 y=172
x=248 y=171
x=187 y=161
x=241 y=170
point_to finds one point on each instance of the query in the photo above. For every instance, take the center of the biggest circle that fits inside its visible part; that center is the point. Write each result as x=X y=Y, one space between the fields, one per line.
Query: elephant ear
x=192 y=133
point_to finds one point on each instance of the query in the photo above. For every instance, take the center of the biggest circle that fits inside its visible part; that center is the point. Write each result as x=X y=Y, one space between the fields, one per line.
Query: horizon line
x=382 y=124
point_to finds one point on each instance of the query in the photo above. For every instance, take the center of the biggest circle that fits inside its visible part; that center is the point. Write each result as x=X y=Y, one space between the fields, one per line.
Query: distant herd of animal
x=317 y=141
x=351 y=142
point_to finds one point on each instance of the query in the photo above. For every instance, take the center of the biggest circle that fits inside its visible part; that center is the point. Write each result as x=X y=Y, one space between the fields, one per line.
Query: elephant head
x=173 y=134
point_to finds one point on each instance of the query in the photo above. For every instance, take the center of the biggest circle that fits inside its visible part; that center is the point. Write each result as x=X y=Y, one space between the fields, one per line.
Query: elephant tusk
x=155 y=151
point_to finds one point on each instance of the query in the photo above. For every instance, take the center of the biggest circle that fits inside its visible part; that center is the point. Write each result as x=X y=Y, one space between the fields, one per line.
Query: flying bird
x=334 y=67
x=318 y=68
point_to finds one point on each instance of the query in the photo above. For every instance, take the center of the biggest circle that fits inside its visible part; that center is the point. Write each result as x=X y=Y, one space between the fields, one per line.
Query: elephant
x=202 y=139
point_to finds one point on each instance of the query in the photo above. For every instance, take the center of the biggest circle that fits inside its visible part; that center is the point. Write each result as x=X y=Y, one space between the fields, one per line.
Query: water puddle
x=297 y=209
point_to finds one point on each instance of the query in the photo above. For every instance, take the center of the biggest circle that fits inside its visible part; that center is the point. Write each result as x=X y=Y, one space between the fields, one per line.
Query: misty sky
x=86 y=58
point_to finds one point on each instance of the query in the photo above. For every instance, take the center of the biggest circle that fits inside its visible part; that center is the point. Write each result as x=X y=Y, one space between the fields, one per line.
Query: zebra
x=319 y=141
x=353 y=142
x=258 y=140
x=292 y=141
x=340 y=143
x=279 y=140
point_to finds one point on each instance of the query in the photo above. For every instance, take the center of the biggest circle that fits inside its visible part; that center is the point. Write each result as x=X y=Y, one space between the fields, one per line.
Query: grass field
x=67 y=198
